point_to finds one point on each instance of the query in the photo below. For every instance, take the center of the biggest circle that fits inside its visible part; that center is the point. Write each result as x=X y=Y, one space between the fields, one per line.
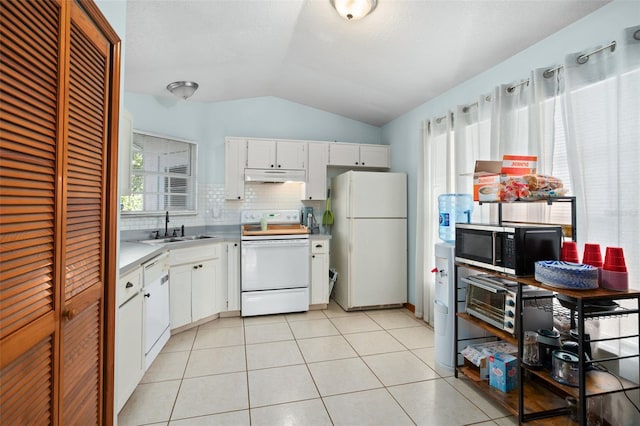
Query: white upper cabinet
x=272 y=154
x=375 y=156
x=316 y=187
x=358 y=155
x=235 y=158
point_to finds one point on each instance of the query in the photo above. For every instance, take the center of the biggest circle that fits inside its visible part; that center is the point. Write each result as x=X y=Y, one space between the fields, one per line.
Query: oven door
x=486 y=301
x=274 y=264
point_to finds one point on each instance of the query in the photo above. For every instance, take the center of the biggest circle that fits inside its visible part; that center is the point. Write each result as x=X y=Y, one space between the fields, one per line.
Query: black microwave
x=509 y=248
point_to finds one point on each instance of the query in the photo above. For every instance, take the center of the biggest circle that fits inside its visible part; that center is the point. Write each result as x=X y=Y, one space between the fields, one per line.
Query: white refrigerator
x=369 y=239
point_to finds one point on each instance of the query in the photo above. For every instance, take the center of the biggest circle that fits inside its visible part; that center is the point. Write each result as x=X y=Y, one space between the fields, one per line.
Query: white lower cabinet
x=129 y=336
x=233 y=276
x=196 y=278
x=319 y=293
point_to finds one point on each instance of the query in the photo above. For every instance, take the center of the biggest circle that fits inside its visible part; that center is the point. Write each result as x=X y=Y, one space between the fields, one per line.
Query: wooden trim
x=111 y=248
x=22 y=341
x=61 y=152
x=410 y=306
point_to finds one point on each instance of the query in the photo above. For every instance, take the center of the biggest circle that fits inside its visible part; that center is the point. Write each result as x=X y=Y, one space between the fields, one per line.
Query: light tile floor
x=327 y=367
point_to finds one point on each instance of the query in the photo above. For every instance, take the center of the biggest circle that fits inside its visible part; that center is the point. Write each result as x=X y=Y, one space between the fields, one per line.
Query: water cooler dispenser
x=443 y=305
x=443 y=308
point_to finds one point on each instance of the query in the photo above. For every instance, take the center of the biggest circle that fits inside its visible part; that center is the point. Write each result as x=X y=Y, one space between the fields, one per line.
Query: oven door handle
x=486 y=286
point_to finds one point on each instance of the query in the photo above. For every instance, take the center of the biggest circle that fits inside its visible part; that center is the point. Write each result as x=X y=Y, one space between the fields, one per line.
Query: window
x=162 y=175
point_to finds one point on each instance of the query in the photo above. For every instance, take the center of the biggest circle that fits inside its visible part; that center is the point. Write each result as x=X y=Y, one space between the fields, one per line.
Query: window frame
x=192 y=179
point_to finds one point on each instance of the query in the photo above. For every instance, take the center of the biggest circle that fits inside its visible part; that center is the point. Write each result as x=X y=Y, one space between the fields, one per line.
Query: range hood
x=273 y=175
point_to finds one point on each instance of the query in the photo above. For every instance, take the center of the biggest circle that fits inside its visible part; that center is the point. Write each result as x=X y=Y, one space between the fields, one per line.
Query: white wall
x=403 y=134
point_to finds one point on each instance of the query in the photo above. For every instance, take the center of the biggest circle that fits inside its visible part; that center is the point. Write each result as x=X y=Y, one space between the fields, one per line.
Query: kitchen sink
x=176 y=239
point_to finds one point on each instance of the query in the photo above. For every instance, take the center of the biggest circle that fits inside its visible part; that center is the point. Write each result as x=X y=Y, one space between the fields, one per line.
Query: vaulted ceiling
x=372 y=70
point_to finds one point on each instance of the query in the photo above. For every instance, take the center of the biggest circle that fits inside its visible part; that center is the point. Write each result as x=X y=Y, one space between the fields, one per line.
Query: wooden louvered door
x=57 y=212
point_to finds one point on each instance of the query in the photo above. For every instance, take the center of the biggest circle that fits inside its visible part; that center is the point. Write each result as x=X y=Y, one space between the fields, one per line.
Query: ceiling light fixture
x=183 y=89
x=354 y=9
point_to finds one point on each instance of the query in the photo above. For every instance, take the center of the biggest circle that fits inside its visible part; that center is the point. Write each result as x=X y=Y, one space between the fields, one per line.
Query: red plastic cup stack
x=569 y=252
x=592 y=255
x=614 y=270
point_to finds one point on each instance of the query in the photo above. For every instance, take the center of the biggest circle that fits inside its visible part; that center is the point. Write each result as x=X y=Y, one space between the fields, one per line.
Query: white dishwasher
x=156 y=307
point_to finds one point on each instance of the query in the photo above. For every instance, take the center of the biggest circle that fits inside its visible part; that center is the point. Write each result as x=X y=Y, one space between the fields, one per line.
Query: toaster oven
x=494 y=300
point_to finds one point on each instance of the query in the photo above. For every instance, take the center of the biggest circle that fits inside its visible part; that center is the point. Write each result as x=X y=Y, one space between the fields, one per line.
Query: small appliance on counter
x=494 y=299
x=508 y=248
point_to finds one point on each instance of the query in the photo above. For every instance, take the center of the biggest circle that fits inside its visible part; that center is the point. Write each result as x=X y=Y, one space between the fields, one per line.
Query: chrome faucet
x=166 y=224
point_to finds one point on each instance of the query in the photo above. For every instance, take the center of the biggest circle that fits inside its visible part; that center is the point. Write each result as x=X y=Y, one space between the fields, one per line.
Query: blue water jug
x=453 y=208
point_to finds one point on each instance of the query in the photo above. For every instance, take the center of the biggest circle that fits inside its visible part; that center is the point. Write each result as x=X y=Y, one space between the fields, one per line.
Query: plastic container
x=452 y=209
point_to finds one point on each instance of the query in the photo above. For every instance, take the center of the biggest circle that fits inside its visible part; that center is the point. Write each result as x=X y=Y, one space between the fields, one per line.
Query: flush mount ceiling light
x=354 y=9
x=183 y=89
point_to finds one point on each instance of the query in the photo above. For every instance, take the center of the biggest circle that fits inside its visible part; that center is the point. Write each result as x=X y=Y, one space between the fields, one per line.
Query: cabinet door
x=129 y=350
x=204 y=277
x=261 y=154
x=291 y=155
x=344 y=154
x=233 y=276
x=235 y=158
x=180 y=295
x=316 y=187
x=319 y=278
x=374 y=156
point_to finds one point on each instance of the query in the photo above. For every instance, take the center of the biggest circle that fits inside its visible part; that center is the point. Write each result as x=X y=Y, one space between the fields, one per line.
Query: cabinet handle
x=199 y=266
x=147 y=295
x=129 y=284
x=235 y=244
x=310 y=198
x=318 y=245
x=356 y=163
x=195 y=266
x=363 y=163
x=272 y=166
x=313 y=256
x=279 y=165
x=238 y=197
x=68 y=314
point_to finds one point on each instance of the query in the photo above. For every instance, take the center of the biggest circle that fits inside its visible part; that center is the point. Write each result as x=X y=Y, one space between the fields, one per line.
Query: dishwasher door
x=156 y=307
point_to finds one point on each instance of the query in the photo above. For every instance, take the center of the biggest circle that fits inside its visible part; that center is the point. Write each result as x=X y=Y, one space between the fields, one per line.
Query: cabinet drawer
x=319 y=246
x=128 y=285
x=194 y=254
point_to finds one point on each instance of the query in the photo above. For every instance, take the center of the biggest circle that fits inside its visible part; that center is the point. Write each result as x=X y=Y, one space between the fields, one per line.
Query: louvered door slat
x=81 y=365
x=27 y=153
x=42 y=18
x=37 y=95
x=32 y=373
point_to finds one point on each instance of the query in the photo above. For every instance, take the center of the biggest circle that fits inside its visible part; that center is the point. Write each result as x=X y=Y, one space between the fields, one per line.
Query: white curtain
x=472 y=141
x=603 y=138
x=434 y=176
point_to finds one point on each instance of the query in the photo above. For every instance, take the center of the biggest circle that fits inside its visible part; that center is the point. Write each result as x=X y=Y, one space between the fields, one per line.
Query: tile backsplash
x=213 y=209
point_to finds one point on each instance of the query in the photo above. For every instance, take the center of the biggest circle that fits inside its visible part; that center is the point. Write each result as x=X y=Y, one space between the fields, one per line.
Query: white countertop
x=133 y=254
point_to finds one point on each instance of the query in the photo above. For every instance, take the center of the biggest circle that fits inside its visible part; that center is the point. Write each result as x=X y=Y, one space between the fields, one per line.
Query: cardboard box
x=478 y=355
x=488 y=176
x=503 y=372
x=486 y=180
x=519 y=165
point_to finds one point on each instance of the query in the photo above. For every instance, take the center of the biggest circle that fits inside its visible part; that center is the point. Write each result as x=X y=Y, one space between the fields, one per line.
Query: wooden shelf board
x=537 y=397
x=488 y=327
x=596 y=383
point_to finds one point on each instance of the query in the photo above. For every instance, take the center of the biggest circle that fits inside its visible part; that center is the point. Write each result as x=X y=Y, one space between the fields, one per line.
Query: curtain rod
x=522 y=83
x=466 y=108
x=582 y=59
